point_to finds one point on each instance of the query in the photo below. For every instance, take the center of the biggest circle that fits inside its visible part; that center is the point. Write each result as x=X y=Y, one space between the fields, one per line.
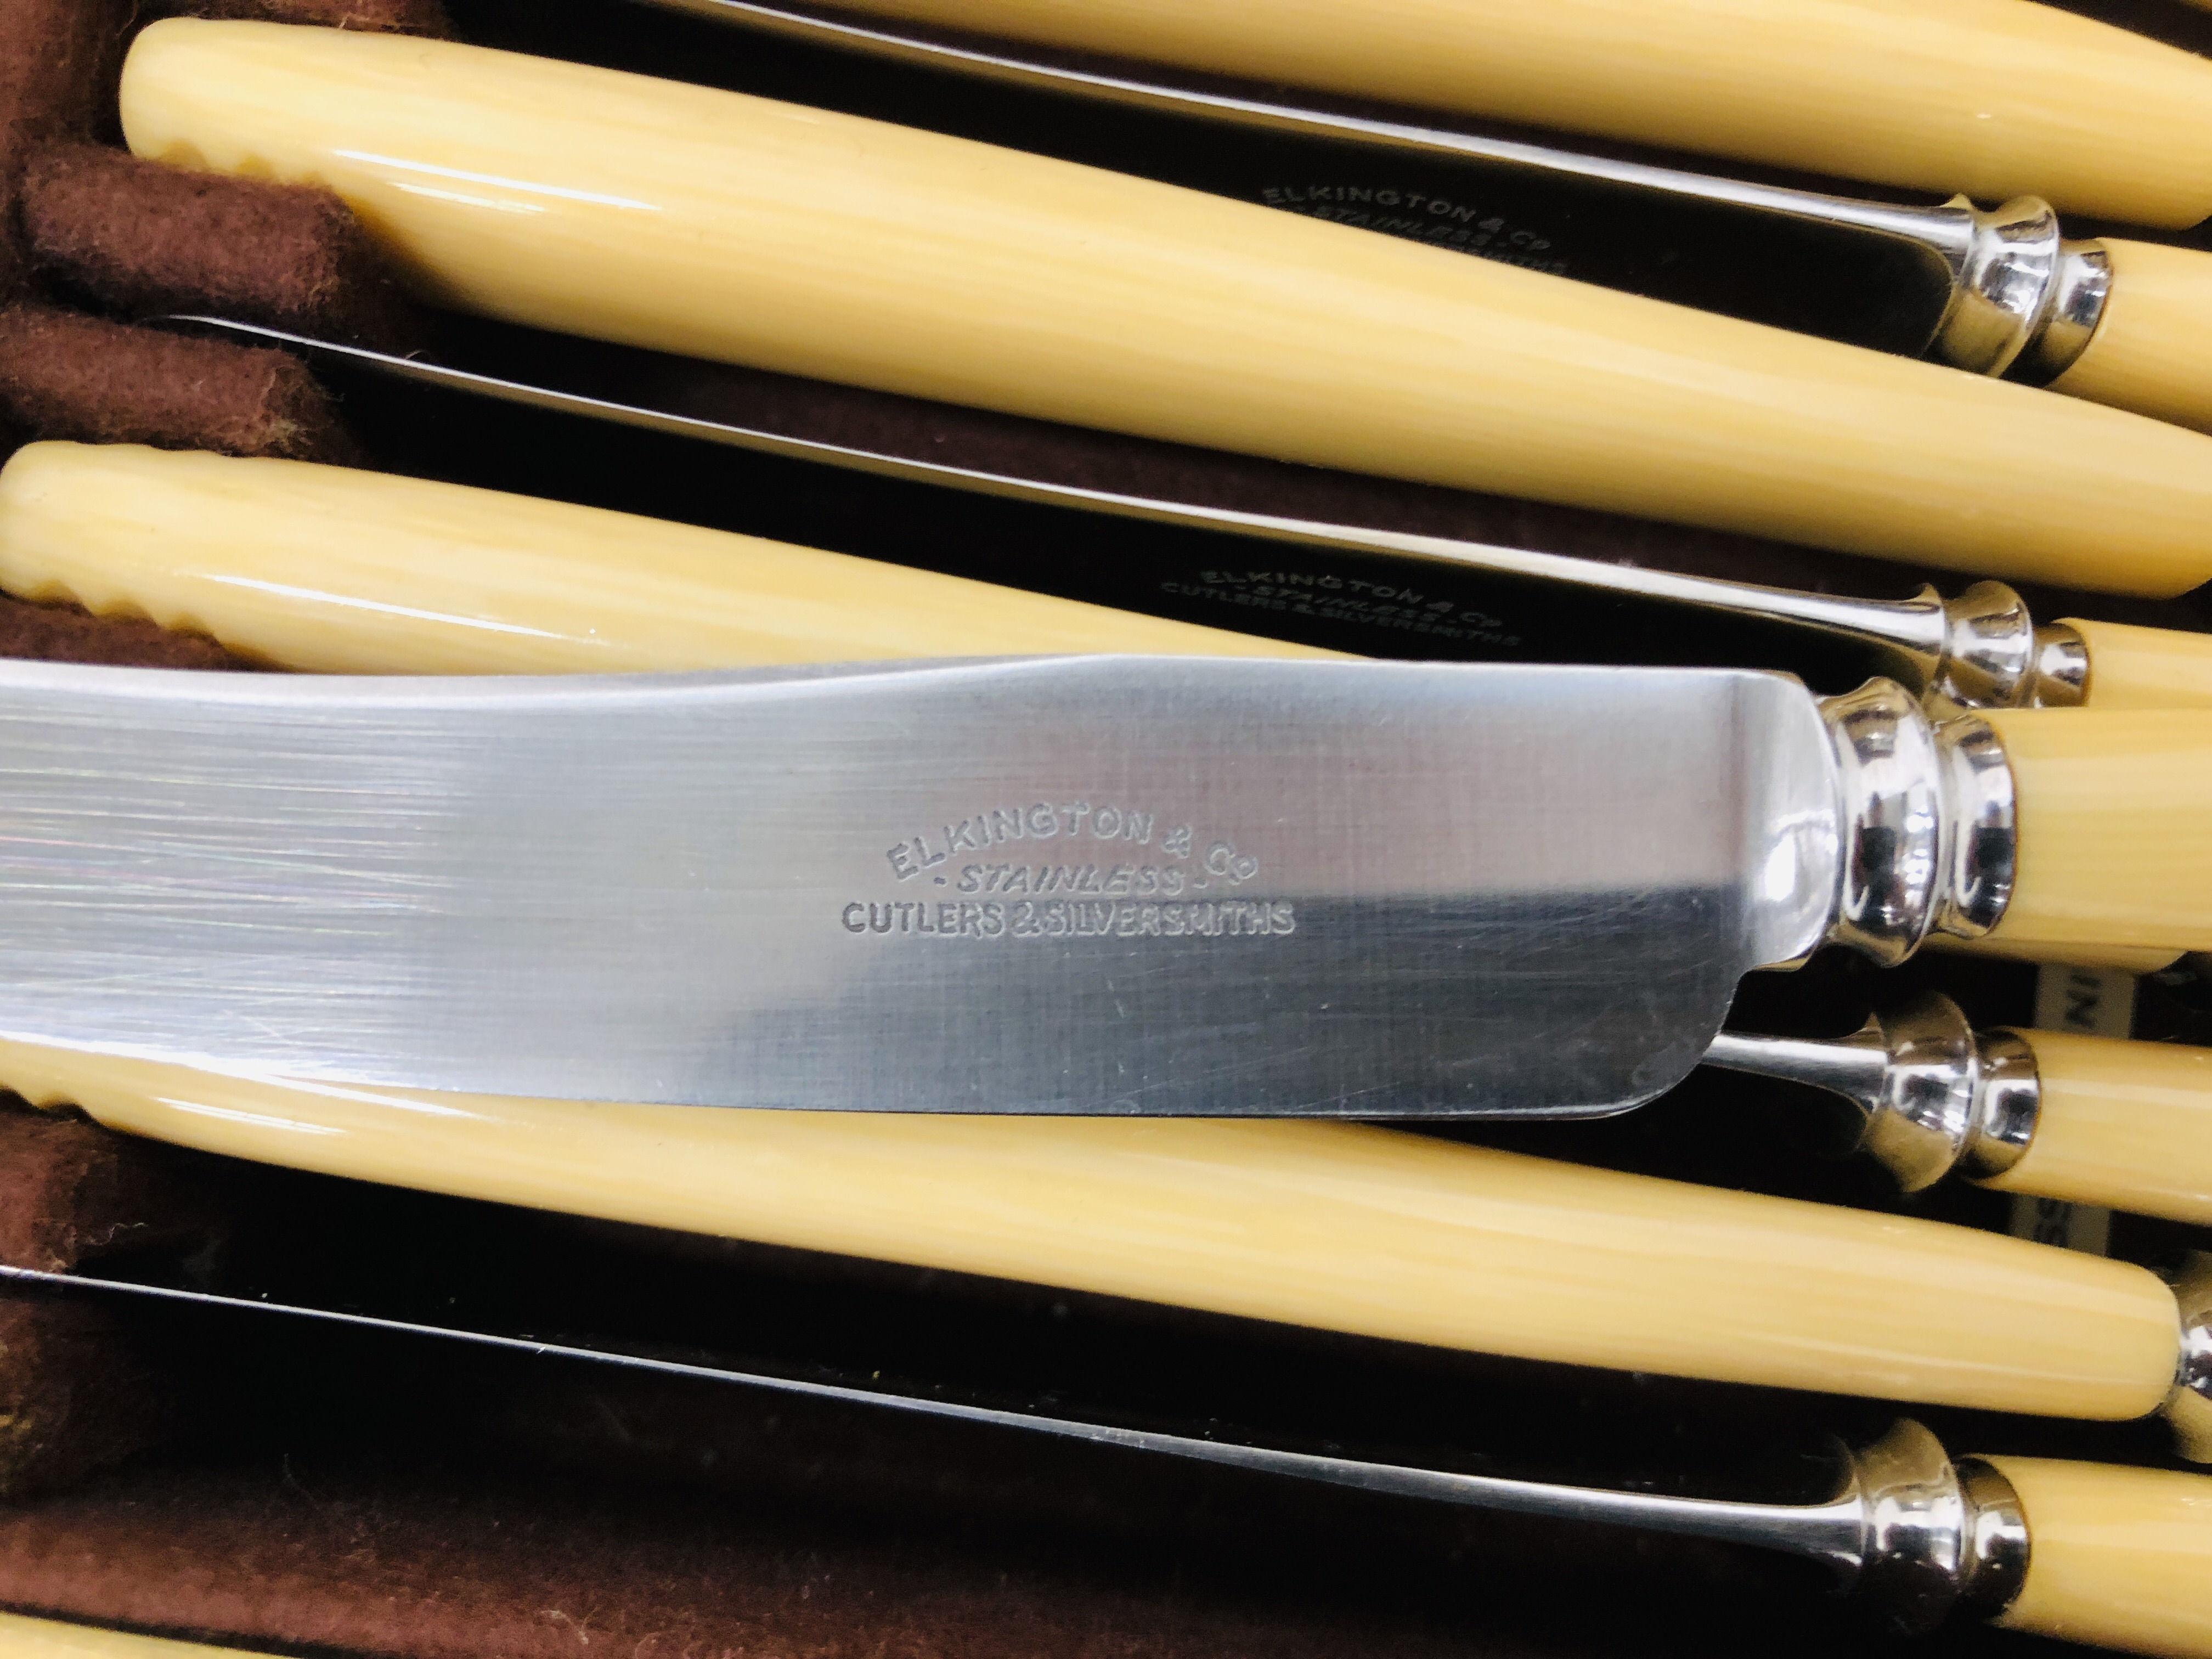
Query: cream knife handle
x=2146 y=667
x=2125 y=1124
x=25 y=1637
x=1992 y=98
x=1337 y=1226
x=2115 y=821
x=720 y=225
x=2152 y=349
x=2116 y=1557
x=336 y=571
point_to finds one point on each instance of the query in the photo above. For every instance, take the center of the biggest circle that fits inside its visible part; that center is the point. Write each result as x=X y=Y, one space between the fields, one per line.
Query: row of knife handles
x=605 y=1174
x=282 y=621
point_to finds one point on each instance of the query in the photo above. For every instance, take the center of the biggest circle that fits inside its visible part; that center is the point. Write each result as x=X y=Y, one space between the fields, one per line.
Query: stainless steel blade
x=1997 y=292
x=1053 y=885
x=1837 y=1533
x=1982 y=649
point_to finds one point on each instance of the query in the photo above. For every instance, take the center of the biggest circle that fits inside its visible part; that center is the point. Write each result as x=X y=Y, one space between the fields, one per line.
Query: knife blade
x=1981 y=648
x=1920 y=1539
x=1176 y=885
x=1991 y=99
x=1997 y=291
x=682 y=218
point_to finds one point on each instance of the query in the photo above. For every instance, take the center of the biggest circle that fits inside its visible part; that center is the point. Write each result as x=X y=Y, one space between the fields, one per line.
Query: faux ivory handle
x=1335 y=1225
x=2147 y=668
x=23 y=1637
x=336 y=571
x=2152 y=351
x=2115 y=826
x=2065 y=954
x=2125 y=1124
x=2116 y=1557
x=1992 y=98
x=721 y=226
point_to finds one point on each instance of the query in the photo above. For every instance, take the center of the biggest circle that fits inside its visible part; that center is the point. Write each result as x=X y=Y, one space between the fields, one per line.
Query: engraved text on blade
x=1154 y=897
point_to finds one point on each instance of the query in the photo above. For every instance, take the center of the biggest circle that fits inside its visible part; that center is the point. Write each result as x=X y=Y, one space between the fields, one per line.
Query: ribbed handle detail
x=332 y=570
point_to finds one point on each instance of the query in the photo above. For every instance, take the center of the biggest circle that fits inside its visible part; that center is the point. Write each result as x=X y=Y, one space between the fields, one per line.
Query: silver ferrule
x=1988 y=658
x=2189 y=1409
x=1987 y=653
x=2024 y=300
x=1932 y=1097
x=1995 y=1557
x=2079 y=288
x=2061 y=668
x=1948 y=1099
x=1928 y=818
x=2007 y=1098
x=1935 y=1539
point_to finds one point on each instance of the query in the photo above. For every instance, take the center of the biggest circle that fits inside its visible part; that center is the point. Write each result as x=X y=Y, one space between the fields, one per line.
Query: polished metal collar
x=2189 y=1408
x=1930 y=822
x=1932 y=1095
x=2024 y=300
x=1936 y=1538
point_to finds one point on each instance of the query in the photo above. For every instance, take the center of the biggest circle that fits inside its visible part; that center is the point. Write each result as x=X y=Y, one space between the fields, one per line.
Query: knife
x=1335 y=1226
x=418 y=577
x=334 y=570
x=2119 y=1557
x=414 y=577
x=1979 y=649
x=1183 y=884
x=705 y=223
x=1998 y=291
x=1987 y=98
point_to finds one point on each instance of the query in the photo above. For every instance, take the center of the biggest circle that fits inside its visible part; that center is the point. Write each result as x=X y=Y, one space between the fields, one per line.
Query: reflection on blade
x=1166 y=886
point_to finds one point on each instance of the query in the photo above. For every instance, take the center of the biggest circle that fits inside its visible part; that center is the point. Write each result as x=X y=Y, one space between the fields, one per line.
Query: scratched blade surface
x=1071 y=884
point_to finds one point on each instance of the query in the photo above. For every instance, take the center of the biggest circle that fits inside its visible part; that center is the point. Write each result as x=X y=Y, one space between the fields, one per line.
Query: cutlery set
x=1997 y=291
x=657 y=873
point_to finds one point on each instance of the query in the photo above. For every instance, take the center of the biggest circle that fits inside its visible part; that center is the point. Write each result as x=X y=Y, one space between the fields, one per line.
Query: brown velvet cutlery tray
x=254 y=1479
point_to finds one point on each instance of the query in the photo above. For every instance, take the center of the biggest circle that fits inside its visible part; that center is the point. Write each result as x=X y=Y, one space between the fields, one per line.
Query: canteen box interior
x=241 y=1477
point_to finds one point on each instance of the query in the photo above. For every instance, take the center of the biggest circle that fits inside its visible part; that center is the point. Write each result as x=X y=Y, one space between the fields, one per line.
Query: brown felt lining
x=379 y=1548
x=59 y=61
x=77 y=1392
x=379 y=17
x=66 y=375
x=145 y=240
